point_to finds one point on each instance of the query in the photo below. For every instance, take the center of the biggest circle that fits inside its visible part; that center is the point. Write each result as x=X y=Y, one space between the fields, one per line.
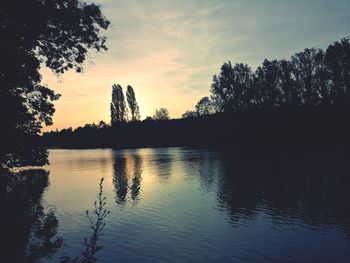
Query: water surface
x=190 y=205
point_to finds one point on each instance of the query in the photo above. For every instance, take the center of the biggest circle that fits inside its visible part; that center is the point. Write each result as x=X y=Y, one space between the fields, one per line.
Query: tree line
x=312 y=77
x=304 y=99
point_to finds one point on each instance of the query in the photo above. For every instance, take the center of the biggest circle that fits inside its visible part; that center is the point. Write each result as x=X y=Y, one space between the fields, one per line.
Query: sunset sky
x=169 y=50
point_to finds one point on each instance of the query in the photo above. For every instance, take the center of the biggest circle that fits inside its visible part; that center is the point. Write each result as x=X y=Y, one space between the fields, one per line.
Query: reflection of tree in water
x=120 y=178
x=136 y=181
x=28 y=232
x=127 y=169
x=22 y=156
x=204 y=164
x=308 y=185
x=163 y=163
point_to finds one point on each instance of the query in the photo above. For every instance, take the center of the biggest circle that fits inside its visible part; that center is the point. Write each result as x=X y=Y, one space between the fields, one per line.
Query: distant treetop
x=161 y=114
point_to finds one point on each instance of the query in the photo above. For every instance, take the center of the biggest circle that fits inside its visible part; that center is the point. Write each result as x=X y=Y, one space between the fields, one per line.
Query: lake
x=186 y=205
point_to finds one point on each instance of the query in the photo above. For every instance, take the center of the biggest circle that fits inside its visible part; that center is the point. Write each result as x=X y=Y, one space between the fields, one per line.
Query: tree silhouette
x=311 y=77
x=23 y=156
x=290 y=95
x=337 y=59
x=267 y=81
x=133 y=106
x=204 y=106
x=189 y=114
x=118 y=105
x=161 y=114
x=58 y=34
x=230 y=89
x=305 y=71
x=102 y=125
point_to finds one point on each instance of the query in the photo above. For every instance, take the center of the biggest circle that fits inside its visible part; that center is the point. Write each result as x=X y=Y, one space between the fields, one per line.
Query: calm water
x=186 y=205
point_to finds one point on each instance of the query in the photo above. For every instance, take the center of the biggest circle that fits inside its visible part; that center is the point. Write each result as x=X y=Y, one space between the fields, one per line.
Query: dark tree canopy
x=311 y=77
x=337 y=64
x=189 y=114
x=290 y=95
x=55 y=33
x=204 y=106
x=133 y=106
x=267 y=84
x=118 y=106
x=230 y=89
x=306 y=70
x=161 y=114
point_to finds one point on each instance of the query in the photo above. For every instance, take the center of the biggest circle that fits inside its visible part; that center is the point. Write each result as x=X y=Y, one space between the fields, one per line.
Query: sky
x=169 y=50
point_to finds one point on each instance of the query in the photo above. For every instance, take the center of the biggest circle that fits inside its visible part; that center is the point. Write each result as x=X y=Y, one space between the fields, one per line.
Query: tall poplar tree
x=118 y=106
x=133 y=106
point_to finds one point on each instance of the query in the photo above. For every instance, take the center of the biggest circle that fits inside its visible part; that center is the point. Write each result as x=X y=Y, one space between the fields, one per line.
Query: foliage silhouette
x=204 y=106
x=133 y=106
x=161 y=114
x=22 y=156
x=312 y=77
x=58 y=34
x=119 y=111
x=189 y=114
x=230 y=89
x=337 y=59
